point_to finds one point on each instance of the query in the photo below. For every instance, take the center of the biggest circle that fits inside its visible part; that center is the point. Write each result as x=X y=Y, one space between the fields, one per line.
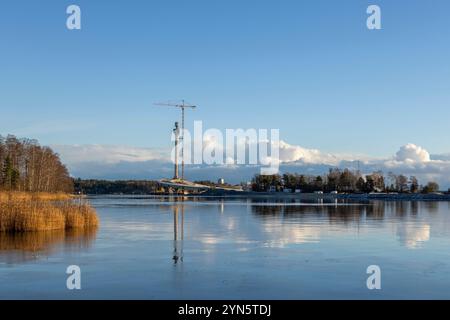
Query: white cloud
x=108 y=154
x=412 y=153
x=291 y=153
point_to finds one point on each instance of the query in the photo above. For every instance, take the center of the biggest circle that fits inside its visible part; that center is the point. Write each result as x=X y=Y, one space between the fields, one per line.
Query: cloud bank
x=124 y=162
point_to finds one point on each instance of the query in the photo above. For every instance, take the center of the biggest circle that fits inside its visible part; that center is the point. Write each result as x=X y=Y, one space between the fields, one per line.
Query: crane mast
x=181 y=106
x=176 y=132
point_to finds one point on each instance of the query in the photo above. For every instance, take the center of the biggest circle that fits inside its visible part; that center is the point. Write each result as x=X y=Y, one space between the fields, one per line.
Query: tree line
x=27 y=166
x=115 y=187
x=342 y=181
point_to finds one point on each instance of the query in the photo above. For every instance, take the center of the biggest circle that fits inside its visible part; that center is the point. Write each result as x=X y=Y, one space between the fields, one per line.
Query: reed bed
x=27 y=196
x=20 y=212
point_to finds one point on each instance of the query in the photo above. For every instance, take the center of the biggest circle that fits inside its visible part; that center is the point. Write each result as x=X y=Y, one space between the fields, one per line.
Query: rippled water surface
x=163 y=248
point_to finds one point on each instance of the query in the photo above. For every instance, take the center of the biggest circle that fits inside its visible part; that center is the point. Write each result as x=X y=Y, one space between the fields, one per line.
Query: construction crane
x=176 y=132
x=183 y=105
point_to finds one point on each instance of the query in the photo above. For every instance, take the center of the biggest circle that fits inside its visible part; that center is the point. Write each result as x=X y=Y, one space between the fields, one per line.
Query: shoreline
x=296 y=196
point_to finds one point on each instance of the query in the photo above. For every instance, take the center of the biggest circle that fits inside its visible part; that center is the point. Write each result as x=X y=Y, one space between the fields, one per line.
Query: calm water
x=157 y=248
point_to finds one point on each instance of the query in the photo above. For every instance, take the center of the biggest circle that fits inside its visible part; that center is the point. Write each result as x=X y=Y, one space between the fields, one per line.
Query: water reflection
x=414 y=208
x=25 y=246
x=282 y=223
x=339 y=213
x=178 y=231
x=296 y=224
x=243 y=249
x=344 y=212
x=412 y=236
x=431 y=206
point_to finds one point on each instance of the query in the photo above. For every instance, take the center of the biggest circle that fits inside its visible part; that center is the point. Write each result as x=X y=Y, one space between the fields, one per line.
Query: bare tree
x=27 y=166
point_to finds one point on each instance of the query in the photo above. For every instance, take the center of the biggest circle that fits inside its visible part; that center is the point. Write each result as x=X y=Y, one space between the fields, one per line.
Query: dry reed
x=21 y=212
x=27 y=196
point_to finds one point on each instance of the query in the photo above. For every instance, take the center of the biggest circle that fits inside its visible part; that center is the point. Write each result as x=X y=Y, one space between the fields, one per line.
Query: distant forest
x=115 y=187
x=27 y=166
x=336 y=180
x=343 y=181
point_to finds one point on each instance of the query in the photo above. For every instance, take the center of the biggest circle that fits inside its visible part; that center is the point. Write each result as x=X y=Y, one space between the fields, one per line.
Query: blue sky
x=310 y=68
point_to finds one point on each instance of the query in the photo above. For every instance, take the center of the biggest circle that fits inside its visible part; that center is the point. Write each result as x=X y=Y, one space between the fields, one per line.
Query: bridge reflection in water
x=178 y=232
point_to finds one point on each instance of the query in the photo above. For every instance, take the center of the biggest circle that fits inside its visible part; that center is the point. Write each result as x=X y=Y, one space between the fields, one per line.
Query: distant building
x=221 y=181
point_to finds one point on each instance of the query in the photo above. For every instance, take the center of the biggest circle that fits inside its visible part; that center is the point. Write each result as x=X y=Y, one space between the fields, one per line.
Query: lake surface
x=164 y=248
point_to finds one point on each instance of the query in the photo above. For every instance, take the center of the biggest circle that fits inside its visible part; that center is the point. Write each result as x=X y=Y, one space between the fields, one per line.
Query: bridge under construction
x=178 y=184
